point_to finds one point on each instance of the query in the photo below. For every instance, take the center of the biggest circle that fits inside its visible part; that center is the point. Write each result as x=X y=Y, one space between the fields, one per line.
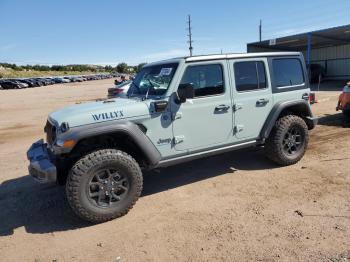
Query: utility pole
x=189 y=35
x=260 y=25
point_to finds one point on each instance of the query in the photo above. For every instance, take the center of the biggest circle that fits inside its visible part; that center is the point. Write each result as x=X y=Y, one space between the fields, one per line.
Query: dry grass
x=10 y=73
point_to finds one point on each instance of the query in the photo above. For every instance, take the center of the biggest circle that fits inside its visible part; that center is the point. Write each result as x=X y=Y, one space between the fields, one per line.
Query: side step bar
x=201 y=154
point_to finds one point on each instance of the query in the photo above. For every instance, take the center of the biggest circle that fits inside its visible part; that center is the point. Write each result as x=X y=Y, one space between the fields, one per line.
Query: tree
x=108 y=68
x=139 y=67
x=122 y=68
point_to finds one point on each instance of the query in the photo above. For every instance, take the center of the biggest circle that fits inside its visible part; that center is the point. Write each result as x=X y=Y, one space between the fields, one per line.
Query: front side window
x=287 y=72
x=153 y=80
x=206 y=79
x=250 y=75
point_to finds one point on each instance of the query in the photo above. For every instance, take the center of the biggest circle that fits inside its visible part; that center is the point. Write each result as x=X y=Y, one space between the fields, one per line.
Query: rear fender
x=297 y=107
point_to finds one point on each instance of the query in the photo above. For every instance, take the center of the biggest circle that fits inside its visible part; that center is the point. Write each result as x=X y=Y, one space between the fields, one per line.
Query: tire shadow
x=44 y=209
x=187 y=173
x=39 y=208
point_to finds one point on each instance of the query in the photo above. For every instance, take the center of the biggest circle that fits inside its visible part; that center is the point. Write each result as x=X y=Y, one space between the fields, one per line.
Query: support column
x=309 y=43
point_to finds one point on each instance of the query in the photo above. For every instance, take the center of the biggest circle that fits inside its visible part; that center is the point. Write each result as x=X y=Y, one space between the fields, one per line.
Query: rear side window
x=250 y=75
x=206 y=79
x=287 y=72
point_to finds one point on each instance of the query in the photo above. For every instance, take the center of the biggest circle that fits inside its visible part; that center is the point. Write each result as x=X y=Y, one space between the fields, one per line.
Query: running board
x=216 y=151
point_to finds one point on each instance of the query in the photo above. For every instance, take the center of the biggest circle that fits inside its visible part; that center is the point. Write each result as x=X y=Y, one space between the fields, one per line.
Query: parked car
x=344 y=100
x=49 y=80
x=317 y=73
x=58 y=80
x=19 y=83
x=67 y=79
x=36 y=82
x=29 y=82
x=9 y=84
x=120 y=90
x=77 y=79
x=40 y=81
x=179 y=110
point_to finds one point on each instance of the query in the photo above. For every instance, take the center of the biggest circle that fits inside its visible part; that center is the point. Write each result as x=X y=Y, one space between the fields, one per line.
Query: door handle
x=262 y=102
x=221 y=108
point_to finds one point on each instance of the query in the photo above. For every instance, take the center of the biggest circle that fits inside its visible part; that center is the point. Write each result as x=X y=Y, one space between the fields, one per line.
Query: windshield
x=153 y=80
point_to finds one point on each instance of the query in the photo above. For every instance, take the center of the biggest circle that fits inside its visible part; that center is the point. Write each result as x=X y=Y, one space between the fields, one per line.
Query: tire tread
x=273 y=149
x=82 y=166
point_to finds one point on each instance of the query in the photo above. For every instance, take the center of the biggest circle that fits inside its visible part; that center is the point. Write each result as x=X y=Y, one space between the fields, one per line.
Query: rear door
x=252 y=96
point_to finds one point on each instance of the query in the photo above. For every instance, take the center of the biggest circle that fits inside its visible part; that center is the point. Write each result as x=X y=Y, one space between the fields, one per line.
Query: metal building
x=328 y=47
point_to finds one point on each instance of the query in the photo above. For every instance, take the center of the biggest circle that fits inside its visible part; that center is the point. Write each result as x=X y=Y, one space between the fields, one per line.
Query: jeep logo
x=162 y=141
x=109 y=115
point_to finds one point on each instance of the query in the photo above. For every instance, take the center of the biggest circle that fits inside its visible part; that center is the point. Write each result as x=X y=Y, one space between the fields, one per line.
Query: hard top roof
x=223 y=56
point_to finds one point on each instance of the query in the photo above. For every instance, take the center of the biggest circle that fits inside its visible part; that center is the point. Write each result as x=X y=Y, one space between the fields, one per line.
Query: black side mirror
x=184 y=91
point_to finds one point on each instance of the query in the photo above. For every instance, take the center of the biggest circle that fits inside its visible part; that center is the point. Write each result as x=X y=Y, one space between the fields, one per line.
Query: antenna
x=260 y=27
x=190 y=34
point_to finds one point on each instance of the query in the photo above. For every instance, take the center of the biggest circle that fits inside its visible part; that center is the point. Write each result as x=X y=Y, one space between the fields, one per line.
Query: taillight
x=312 y=98
x=118 y=90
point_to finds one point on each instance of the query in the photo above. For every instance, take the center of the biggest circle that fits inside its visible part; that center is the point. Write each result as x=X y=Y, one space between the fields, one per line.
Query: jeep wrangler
x=176 y=110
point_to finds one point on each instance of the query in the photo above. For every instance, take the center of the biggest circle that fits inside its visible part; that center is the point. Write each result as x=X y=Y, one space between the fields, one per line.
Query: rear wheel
x=104 y=185
x=288 y=140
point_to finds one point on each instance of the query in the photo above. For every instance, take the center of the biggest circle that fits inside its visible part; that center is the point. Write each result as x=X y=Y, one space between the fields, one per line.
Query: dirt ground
x=233 y=207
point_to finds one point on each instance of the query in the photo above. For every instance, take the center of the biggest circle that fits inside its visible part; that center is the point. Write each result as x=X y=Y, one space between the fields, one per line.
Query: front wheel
x=104 y=185
x=288 y=140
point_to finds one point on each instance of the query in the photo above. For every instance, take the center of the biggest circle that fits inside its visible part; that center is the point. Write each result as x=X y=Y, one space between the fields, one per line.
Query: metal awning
x=319 y=39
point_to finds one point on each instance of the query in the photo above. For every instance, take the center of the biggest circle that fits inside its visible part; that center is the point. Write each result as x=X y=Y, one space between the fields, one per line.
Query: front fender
x=111 y=127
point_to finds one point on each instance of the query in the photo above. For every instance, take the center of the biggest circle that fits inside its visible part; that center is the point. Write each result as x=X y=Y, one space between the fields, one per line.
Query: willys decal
x=108 y=115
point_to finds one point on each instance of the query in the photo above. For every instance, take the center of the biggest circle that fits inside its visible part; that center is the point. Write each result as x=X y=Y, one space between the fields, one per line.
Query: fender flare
x=131 y=129
x=302 y=107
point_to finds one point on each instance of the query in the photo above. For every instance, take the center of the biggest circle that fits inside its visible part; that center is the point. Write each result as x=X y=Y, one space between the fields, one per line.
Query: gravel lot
x=233 y=207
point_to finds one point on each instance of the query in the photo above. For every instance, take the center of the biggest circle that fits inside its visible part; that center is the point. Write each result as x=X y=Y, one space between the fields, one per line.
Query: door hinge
x=238 y=128
x=178 y=139
x=236 y=107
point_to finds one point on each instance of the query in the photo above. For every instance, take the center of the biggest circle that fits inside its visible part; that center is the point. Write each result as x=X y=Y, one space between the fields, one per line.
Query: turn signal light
x=68 y=143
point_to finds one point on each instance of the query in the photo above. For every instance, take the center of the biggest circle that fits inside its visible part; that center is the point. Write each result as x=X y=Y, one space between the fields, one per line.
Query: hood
x=102 y=111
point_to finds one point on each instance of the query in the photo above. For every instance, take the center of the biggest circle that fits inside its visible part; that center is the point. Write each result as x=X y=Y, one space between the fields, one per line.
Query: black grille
x=50 y=132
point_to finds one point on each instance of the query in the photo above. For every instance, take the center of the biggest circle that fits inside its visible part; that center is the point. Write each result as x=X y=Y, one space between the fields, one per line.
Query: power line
x=190 y=35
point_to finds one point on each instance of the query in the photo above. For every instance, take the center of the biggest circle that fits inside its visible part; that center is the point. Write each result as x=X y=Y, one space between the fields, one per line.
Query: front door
x=252 y=96
x=207 y=119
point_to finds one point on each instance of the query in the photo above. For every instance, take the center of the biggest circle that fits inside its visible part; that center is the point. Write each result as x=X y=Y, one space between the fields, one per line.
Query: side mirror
x=183 y=92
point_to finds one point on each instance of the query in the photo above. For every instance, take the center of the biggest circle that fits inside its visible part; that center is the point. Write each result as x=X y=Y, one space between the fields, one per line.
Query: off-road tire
x=82 y=172
x=346 y=113
x=274 y=147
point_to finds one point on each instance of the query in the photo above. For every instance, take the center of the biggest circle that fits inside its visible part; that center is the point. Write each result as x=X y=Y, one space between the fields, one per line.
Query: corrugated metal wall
x=335 y=59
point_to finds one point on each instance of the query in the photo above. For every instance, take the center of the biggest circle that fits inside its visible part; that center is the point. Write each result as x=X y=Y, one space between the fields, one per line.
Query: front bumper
x=41 y=167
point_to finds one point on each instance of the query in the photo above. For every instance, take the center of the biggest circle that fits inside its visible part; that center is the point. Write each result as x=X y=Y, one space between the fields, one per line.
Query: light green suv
x=176 y=110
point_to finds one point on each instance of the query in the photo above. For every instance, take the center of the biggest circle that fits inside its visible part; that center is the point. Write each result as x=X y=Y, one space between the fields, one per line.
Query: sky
x=107 y=32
